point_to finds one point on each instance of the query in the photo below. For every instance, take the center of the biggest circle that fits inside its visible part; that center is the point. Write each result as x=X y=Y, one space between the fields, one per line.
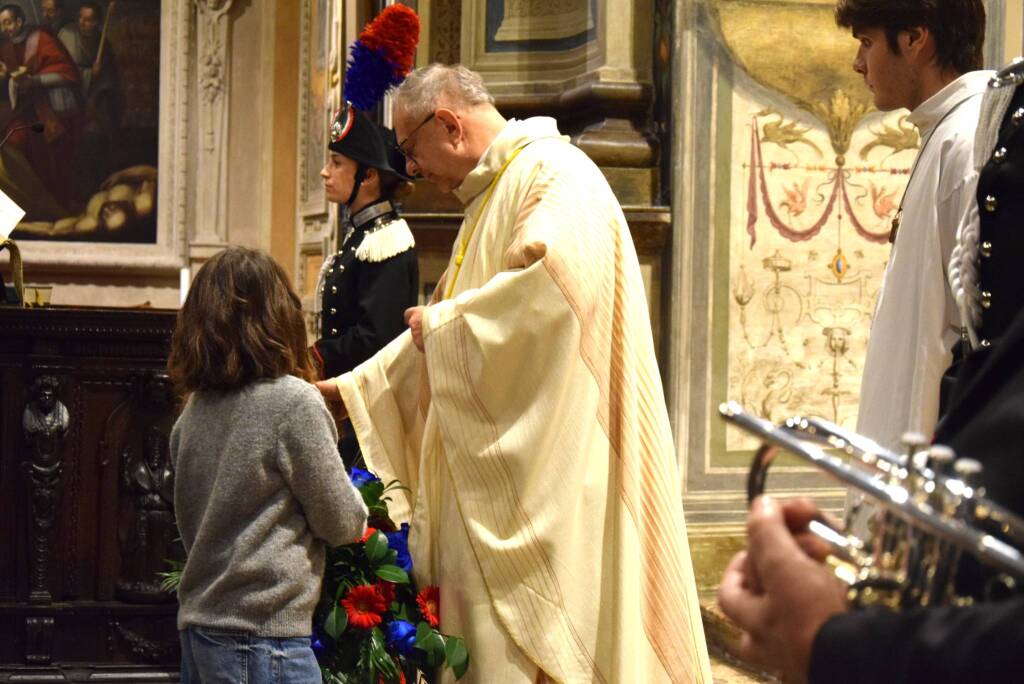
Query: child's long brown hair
x=241 y=322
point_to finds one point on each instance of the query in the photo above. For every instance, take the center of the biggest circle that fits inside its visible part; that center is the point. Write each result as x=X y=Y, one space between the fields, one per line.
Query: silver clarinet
x=930 y=512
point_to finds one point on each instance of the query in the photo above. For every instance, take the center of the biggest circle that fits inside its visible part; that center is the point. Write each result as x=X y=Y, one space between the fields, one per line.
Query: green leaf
x=371 y=492
x=376 y=547
x=336 y=622
x=170 y=580
x=379 y=657
x=393 y=573
x=431 y=641
x=456 y=655
x=395 y=484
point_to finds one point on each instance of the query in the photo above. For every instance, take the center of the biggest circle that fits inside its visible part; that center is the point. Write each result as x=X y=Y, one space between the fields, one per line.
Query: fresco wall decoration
x=808 y=244
x=815 y=176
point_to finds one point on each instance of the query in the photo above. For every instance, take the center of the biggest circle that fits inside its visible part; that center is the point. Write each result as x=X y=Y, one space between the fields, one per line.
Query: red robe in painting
x=51 y=153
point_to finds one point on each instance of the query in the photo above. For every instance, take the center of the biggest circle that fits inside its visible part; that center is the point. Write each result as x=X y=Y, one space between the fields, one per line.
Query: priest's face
x=10 y=24
x=339 y=174
x=425 y=142
x=886 y=73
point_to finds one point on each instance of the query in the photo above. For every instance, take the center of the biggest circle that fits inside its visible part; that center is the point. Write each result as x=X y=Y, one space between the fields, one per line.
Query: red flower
x=364 y=604
x=370 y=531
x=429 y=601
x=386 y=590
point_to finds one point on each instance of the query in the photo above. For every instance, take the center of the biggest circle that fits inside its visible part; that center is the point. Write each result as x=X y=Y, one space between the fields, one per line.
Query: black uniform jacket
x=364 y=302
x=1001 y=228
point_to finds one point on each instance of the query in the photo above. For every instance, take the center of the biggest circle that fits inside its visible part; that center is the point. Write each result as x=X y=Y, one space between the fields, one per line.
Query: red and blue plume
x=382 y=56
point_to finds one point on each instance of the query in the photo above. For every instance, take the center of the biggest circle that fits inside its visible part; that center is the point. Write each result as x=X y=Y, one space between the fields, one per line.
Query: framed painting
x=94 y=131
x=80 y=119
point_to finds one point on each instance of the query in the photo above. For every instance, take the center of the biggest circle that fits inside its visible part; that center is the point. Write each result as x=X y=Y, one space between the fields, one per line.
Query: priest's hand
x=414 y=319
x=332 y=397
x=775 y=592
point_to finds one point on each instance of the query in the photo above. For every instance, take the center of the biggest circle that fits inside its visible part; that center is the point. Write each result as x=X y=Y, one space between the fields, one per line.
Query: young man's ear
x=913 y=41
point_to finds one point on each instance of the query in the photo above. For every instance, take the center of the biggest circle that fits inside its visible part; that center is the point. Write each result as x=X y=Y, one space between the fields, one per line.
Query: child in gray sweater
x=260 y=491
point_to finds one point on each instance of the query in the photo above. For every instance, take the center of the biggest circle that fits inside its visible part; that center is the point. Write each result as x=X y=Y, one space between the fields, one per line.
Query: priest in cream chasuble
x=532 y=433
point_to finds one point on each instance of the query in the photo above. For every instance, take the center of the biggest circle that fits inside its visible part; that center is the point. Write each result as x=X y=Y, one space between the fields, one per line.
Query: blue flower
x=399 y=543
x=401 y=635
x=362 y=477
x=319 y=650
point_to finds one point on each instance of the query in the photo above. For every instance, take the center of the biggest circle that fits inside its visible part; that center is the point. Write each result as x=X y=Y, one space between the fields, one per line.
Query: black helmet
x=354 y=135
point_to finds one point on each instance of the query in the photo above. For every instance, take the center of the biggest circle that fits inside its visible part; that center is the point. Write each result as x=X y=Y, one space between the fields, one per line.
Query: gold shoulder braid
x=17 y=268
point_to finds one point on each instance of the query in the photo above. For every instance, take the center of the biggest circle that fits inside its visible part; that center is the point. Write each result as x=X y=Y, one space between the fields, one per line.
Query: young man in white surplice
x=920 y=56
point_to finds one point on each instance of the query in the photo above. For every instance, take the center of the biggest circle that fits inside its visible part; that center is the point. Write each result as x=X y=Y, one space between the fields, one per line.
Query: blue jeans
x=209 y=656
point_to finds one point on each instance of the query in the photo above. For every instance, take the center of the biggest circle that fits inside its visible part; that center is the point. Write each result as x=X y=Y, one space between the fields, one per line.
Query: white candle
x=185 y=280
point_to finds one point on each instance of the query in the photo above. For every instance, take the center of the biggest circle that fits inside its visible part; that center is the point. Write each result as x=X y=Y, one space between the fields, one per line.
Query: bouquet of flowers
x=372 y=625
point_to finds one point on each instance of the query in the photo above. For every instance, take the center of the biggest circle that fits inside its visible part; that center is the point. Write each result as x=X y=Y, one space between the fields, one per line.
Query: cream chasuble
x=534 y=439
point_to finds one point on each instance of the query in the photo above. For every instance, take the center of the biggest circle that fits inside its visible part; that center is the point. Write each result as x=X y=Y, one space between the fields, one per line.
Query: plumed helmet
x=379 y=60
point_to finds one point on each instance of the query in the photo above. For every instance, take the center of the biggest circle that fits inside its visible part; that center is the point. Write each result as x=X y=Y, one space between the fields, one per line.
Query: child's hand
x=332 y=396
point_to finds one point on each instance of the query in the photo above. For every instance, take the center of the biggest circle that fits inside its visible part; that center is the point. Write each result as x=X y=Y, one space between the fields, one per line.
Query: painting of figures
x=79 y=103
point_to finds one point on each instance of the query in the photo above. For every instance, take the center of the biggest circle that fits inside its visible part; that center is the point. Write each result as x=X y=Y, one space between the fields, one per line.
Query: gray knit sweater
x=259 y=493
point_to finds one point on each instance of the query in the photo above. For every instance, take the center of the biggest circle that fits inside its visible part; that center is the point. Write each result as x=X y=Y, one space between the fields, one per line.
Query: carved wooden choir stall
x=86 y=516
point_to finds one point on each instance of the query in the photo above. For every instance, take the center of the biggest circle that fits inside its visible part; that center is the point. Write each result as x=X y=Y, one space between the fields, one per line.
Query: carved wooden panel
x=86 y=516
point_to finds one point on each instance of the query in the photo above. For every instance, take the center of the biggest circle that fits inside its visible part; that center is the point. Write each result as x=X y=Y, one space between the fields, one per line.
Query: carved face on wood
x=44 y=391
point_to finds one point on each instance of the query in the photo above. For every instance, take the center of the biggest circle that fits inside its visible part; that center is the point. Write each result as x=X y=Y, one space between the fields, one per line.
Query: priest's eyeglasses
x=403 y=146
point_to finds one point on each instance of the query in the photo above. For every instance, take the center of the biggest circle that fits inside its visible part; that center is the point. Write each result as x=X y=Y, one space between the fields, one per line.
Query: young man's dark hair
x=958 y=26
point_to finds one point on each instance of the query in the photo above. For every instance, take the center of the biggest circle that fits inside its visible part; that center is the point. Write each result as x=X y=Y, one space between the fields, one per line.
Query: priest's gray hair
x=441 y=85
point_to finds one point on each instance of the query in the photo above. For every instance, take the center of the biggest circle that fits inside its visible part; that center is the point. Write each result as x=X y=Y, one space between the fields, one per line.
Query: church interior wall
x=249 y=154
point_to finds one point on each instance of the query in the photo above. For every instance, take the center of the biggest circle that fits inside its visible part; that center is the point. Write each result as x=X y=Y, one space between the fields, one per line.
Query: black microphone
x=36 y=128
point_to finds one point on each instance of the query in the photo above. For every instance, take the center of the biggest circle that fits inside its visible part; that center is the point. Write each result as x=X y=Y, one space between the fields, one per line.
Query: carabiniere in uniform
x=1001 y=239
